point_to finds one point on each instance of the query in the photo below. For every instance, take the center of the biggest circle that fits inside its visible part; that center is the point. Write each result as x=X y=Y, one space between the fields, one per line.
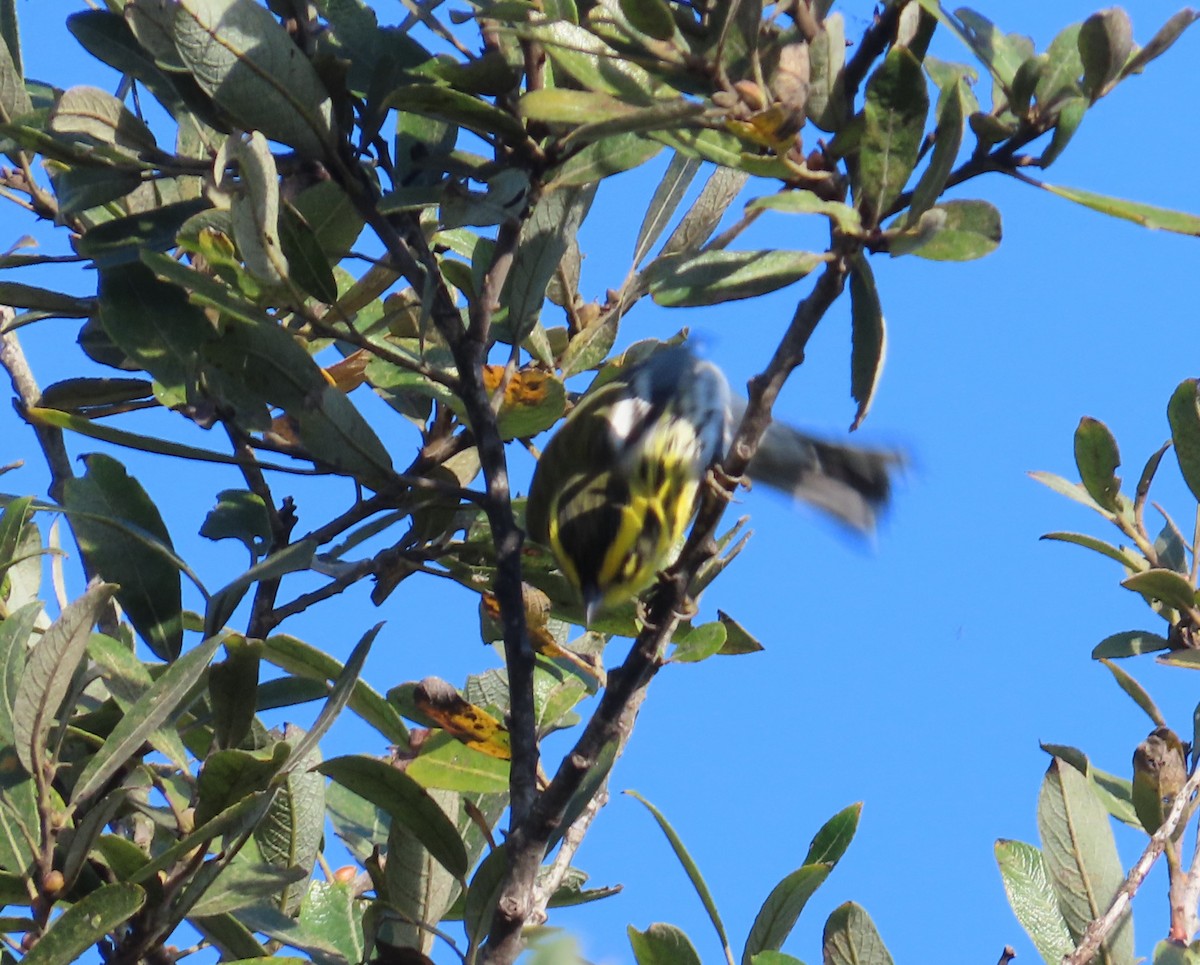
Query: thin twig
x=552 y=877
x=1098 y=930
x=12 y=358
x=1189 y=896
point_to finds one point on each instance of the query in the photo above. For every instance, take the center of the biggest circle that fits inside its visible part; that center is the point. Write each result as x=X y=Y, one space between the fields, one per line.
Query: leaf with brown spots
x=472 y=725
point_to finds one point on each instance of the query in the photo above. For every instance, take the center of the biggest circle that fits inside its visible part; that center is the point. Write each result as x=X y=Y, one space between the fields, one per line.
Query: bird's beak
x=592 y=600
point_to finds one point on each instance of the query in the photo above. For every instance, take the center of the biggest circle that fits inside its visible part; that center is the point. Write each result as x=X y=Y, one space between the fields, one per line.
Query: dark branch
x=613 y=719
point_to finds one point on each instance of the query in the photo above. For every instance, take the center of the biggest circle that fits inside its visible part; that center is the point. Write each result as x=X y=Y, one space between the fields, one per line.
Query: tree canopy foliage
x=289 y=205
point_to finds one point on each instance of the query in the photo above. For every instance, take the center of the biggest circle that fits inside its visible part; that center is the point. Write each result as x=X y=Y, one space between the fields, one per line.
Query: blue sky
x=916 y=674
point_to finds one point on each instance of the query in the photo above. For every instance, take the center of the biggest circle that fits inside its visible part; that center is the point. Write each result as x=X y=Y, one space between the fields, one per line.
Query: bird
x=617 y=485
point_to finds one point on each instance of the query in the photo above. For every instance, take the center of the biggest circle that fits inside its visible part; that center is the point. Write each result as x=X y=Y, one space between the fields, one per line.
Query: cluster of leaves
x=311 y=216
x=1062 y=890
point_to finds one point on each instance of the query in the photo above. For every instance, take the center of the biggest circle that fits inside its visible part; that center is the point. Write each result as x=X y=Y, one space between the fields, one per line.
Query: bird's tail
x=850 y=483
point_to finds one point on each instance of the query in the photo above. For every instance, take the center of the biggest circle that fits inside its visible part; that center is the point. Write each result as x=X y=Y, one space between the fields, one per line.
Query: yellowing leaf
x=472 y=725
x=349 y=373
x=533 y=400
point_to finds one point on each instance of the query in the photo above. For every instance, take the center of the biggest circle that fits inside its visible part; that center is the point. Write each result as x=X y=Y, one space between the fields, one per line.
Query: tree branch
x=1099 y=929
x=12 y=358
x=610 y=725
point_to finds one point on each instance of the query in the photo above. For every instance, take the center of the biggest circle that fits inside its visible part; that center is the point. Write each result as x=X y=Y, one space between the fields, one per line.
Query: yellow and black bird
x=617 y=485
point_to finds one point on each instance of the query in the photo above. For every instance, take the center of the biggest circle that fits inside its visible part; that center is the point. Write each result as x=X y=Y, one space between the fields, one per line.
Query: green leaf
x=233 y=690
x=1163 y=38
x=1122 y=556
x=676 y=180
x=483 y=893
x=1172 y=953
x=1032 y=899
x=361 y=826
x=455 y=107
x=288 y=931
x=705 y=214
x=108 y=38
x=241 y=56
x=1131 y=643
x=894 y=125
x=589 y=348
x=952 y=112
x=1166 y=586
x=308 y=265
x=779 y=913
x=127 y=678
x=1097 y=459
x=1188 y=659
x=243 y=815
x=84 y=393
x=662 y=944
x=290 y=559
x=30 y=297
x=1183 y=413
x=1081 y=857
x=587 y=790
x=20 y=830
x=1070 y=116
x=693 y=644
x=847 y=220
x=49 y=670
x=132 y=440
x=16 y=632
x=164 y=699
x=332 y=910
x=449 y=764
x=1002 y=53
x=152 y=322
x=302 y=660
x=1136 y=692
x=1147 y=215
x=1059 y=80
x=241 y=515
x=1105 y=42
x=86 y=923
x=956 y=231
x=150 y=593
x=242 y=884
x=595 y=64
x=1069 y=489
x=650 y=17
x=406 y=802
x=602 y=158
x=851 y=938
x=12 y=525
x=545 y=237
x=826 y=104
x=689 y=866
x=100 y=117
x=738 y=640
x=661 y=118
x=254 y=209
x=231 y=777
x=339 y=696
x=720 y=276
x=868 y=347
x=14 y=99
x=830 y=843
x=562 y=106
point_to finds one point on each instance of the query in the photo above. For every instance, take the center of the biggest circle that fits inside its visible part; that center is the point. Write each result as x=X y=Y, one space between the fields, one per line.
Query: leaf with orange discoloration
x=472 y=725
x=537 y=624
x=533 y=400
x=349 y=373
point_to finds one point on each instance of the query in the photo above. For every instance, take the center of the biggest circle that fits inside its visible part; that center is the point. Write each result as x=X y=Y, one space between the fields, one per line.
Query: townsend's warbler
x=617 y=485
